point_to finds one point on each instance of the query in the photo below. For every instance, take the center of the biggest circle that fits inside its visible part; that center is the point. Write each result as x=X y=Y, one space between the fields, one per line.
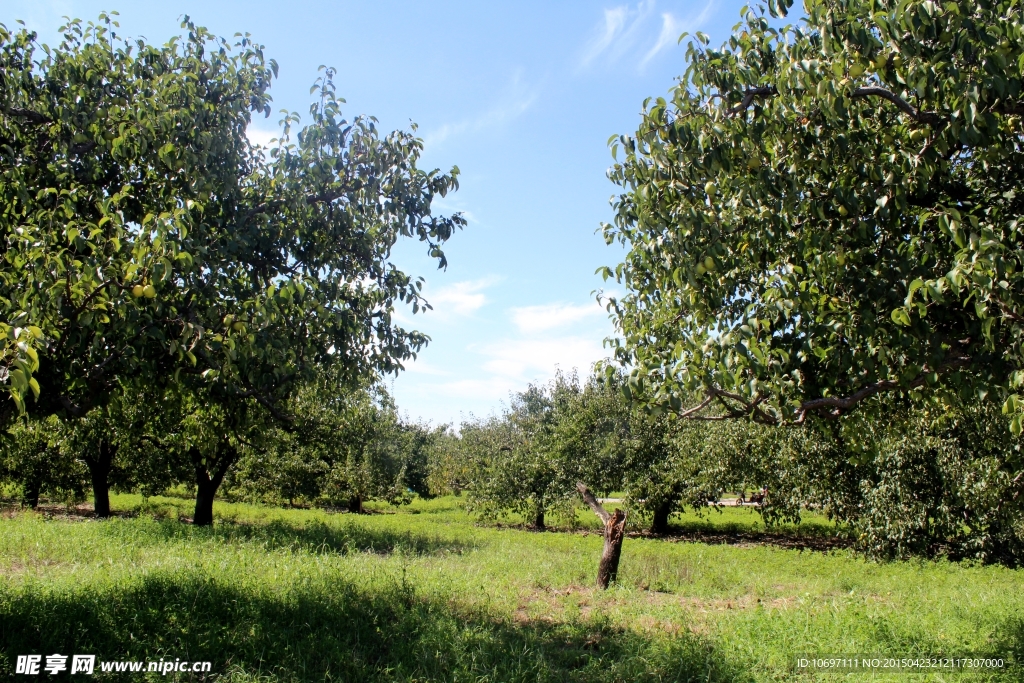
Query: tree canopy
x=825 y=212
x=144 y=235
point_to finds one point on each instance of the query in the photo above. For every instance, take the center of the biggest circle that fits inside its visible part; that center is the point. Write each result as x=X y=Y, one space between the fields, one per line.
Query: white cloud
x=490 y=390
x=452 y=204
x=533 y=319
x=260 y=136
x=516 y=98
x=517 y=361
x=421 y=367
x=459 y=298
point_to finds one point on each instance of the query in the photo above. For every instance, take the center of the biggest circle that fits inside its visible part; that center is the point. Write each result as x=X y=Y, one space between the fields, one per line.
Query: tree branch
x=92 y=295
x=839 y=404
x=835 y=405
x=590 y=500
x=696 y=409
x=748 y=97
x=929 y=117
x=31 y=116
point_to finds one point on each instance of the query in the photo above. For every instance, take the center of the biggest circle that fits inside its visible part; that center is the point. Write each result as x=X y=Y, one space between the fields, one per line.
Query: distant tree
x=34 y=456
x=345 y=447
x=450 y=468
x=123 y=444
x=590 y=433
x=821 y=214
x=516 y=468
x=416 y=442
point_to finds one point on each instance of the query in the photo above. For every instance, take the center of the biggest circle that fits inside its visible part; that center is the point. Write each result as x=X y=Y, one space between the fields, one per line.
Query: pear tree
x=146 y=237
x=825 y=212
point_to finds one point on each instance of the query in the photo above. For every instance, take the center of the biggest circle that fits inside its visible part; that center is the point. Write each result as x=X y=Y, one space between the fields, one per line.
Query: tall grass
x=427 y=593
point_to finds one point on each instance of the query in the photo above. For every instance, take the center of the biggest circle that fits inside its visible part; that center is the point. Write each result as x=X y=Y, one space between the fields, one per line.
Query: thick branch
x=839 y=404
x=835 y=405
x=1009 y=312
x=31 y=116
x=929 y=117
x=590 y=500
x=697 y=409
x=92 y=295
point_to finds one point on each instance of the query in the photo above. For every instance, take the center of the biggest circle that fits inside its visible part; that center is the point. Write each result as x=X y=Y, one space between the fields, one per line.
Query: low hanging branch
x=828 y=406
x=614 y=534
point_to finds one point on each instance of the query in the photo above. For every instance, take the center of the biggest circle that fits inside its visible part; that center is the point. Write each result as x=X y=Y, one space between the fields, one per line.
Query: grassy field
x=426 y=593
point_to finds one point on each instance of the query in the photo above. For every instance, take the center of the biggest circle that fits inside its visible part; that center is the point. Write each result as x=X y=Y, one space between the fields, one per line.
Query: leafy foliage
x=824 y=212
x=346 y=448
x=145 y=235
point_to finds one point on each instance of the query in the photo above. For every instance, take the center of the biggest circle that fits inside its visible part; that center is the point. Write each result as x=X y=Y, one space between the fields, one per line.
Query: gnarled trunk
x=614 y=535
x=355 y=504
x=538 y=519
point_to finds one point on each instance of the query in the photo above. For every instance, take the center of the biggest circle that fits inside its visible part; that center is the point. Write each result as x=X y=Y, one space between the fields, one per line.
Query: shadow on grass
x=1010 y=644
x=312 y=536
x=728 y=533
x=330 y=630
x=802 y=538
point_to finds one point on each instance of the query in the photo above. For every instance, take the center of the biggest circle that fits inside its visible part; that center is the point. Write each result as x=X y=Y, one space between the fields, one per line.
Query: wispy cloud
x=421 y=367
x=534 y=319
x=618 y=33
x=516 y=98
x=632 y=33
x=486 y=390
x=453 y=204
x=544 y=338
x=614 y=20
x=671 y=28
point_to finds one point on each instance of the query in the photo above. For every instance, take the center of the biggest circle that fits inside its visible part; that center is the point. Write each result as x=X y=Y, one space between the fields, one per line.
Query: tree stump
x=614 y=534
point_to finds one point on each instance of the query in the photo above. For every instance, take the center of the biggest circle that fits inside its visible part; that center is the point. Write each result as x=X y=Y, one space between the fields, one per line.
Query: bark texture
x=614 y=535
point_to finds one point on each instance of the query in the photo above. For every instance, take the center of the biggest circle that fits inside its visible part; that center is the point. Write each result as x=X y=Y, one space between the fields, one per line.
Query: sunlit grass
x=427 y=592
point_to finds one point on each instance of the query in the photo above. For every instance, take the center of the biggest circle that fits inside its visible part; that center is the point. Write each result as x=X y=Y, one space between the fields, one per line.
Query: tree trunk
x=205 y=492
x=99 y=472
x=355 y=504
x=614 y=535
x=30 y=492
x=659 y=525
x=538 y=520
x=206 y=485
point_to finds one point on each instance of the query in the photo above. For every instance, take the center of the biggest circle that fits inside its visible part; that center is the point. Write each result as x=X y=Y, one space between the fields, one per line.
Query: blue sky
x=523 y=98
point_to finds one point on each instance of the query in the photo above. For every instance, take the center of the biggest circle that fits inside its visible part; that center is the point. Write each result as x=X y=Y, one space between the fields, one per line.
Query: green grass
x=427 y=593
